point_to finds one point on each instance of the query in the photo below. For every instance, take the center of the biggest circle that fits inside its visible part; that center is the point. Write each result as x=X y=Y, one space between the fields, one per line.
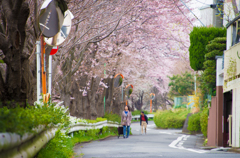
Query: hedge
x=112 y=117
x=23 y=120
x=138 y=112
x=194 y=123
x=204 y=121
x=215 y=47
x=170 y=119
x=199 y=38
x=211 y=55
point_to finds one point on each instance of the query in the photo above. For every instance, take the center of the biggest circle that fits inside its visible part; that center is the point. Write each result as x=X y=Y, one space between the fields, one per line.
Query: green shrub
x=199 y=38
x=211 y=55
x=209 y=63
x=138 y=112
x=194 y=123
x=170 y=119
x=216 y=47
x=112 y=117
x=180 y=106
x=24 y=120
x=204 y=121
x=61 y=146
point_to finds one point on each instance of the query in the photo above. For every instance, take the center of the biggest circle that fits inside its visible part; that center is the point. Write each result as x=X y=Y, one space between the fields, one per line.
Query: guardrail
x=137 y=117
x=12 y=145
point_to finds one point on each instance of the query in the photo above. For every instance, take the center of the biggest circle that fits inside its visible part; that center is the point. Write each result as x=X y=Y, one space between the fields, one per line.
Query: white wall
x=235 y=117
x=207 y=15
x=229 y=37
x=219 y=74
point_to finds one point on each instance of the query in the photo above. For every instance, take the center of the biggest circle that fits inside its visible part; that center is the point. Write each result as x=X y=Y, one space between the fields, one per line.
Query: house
x=231 y=88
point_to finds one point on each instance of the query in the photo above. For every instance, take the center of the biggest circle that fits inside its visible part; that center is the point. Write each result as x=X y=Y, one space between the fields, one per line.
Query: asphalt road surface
x=157 y=143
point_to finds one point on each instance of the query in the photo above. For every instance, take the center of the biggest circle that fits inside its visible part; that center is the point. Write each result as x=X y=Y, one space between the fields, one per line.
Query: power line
x=192 y=13
x=202 y=2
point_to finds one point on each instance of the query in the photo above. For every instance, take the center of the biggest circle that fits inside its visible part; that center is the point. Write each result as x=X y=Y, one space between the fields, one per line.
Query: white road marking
x=179 y=142
x=165 y=133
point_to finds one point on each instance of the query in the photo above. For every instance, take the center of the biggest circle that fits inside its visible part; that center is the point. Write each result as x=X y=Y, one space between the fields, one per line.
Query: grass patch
x=61 y=146
x=170 y=119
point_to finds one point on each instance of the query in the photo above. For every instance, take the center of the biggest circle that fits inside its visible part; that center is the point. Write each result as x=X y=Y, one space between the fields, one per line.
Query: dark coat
x=146 y=118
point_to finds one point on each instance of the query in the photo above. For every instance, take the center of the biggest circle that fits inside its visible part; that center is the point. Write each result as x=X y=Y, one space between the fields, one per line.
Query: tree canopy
x=181 y=84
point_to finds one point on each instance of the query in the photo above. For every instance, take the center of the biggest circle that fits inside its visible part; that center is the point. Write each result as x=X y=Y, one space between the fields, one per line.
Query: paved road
x=155 y=144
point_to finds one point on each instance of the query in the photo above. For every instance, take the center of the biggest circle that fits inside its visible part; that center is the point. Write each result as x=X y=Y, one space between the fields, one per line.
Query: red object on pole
x=44 y=86
x=54 y=50
x=151 y=106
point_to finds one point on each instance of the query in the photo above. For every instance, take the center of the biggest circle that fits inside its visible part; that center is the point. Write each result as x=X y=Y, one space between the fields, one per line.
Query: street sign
x=54 y=50
x=61 y=36
x=51 y=17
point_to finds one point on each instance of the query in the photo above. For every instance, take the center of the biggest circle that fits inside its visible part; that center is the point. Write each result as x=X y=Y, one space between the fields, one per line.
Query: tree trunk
x=17 y=85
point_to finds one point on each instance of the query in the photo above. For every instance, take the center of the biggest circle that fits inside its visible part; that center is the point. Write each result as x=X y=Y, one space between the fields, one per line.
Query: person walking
x=143 y=122
x=126 y=121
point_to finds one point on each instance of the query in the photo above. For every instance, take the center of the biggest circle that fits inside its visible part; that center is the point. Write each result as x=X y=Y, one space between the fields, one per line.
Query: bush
x=138 y=112
x=199 y=38
x=112 y=117
x=194 y=123
x=204 y=121
x=61 y=146
x=170 y=119
x=24 y=120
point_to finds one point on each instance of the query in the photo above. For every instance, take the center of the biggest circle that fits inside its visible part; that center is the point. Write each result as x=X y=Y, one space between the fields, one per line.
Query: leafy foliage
x=61 y=146
x=24 y=120
x=138 y=112
x=204 y=121
x=112 y=117
x=215 y=47
x=181 y=85
x=170 y=119
x=199 y=38
x=194 y=123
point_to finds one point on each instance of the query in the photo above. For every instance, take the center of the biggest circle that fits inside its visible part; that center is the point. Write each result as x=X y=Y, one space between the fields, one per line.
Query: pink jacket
x=126 y=120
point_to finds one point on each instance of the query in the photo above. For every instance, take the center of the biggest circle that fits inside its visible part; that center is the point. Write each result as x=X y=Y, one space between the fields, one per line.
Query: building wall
x=235 y=117
x=207 y=16
x=229 y=37
x=212 y=123
x=232 y=82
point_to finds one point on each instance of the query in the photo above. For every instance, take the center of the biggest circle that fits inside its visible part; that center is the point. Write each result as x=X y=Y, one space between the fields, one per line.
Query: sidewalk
x=200 y=141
